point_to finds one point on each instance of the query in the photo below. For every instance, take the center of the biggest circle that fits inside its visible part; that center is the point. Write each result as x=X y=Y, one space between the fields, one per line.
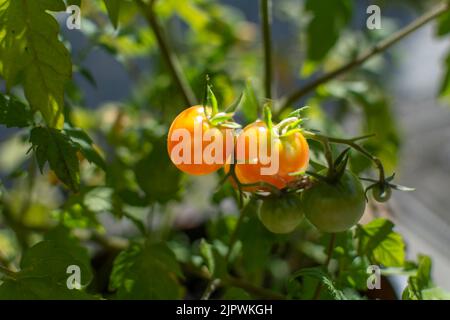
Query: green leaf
x=39 y=289
x=328 y=20
x=29 y=46
x=214 y=260
x=206 y=251
x=44 y=270
x=420 y=281
x=78 y=216
x=157 y=165
x=379 y=120
x=146 y=272
x=14 y=113
x=381 y=244
x=435 y=293
x=322 y=276
x=63 y=238
x=98 y=199
x=85 y=145
x=56 y=148
x=257 y=242
x=443 y=25
x=113 y=8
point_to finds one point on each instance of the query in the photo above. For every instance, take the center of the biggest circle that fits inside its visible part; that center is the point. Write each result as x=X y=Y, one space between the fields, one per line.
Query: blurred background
x=412 y=120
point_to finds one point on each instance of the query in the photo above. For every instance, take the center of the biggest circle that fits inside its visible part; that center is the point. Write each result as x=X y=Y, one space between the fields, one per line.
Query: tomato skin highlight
x=281 y=215
x=379 y=196
x=335 y=207
x=292 y=151
x=188 y=120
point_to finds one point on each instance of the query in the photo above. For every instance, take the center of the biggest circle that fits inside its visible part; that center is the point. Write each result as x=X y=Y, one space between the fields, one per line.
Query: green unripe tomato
x=381 y=195
x=281 y=215
x=335 y=207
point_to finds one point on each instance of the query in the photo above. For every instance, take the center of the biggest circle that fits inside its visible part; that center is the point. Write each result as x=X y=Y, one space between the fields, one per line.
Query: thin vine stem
x=383 y=45
x=351 y=143
x=266 y=23
x=330 y=249
x=148 y=10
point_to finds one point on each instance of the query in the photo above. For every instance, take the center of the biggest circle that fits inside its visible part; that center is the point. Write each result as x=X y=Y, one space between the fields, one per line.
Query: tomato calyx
x=336 y=169
x=216 y=118
x=286 y=127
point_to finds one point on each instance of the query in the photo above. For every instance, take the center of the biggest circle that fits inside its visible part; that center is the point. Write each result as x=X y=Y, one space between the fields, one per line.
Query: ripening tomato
x=261 y=156
x=281 y=214
x=195 y=146
x=335 y=207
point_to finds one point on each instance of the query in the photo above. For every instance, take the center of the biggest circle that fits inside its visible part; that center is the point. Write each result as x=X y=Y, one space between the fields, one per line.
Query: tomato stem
x=351 y=143
x=326 y=264
x=174 y=66
x=380 y=47
x=233 y=237
x=266 y=21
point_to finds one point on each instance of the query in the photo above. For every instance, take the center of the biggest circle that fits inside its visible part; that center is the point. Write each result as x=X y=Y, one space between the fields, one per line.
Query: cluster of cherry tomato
x=333 y=199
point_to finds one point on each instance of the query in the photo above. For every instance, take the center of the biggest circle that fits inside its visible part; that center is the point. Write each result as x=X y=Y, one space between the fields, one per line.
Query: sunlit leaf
x=381 y=244
x=146 y=272
x=54 y=147
x=25 y=27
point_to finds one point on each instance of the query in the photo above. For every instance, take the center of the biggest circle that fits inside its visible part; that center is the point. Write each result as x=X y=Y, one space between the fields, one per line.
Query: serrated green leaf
x=320 y=275
x=256 y=242
x=39 y=289
x=206 y=251
x=435 y=293
x=56 y=148
x=98 y=199
x=113 y=8
x=63 y=238
x=85 y=145
x=146 y=272
x=157 y=165
x=14 y=113
x=420 y=281
x=43 y=273
x=381 y=244
x=215 y=261
x=29 y=46
x=328 y=20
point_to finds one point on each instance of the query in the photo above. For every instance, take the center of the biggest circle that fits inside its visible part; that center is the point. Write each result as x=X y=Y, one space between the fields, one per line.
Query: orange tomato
x=195 y=146
x=291 y=154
